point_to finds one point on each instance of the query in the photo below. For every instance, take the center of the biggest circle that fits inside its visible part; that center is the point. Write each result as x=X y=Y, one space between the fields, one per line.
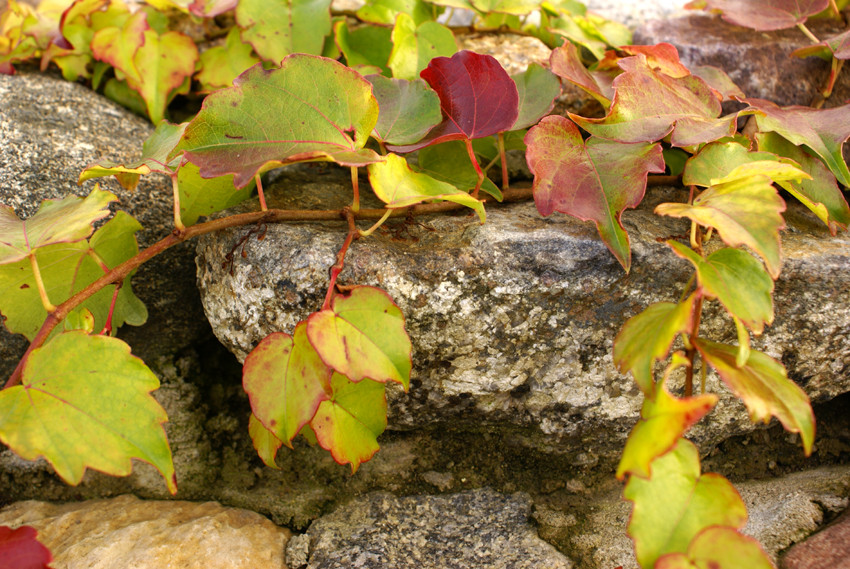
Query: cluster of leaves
x=65 y=285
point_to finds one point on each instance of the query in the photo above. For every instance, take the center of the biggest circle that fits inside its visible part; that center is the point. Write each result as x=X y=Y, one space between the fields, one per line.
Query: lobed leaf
x=763 y=385
x=117 y=46
x=737 y=280
x=648 y=337
x=762 y=15
x=200 y=197
x=718 y=80
x=364 y=46
x=676 y=504
x=537 y=88
x=449 y=162
x=20 y=549
x=285 y=380
x=211 y=8
x=165 y=62
x=477 y=98
x=278 y=28
x=265 y=442
x=415 y=45
x=386 y=11
x=307 y=110
x=718 y=160
x=592 y=180
x=222 y=64
x=566 y=63
x=821 y=130
x=408 y=109
x=361 y=335
x=59 y=410
x=398 y=186
x=718 y=548
x=68 y=220
x=348 y=424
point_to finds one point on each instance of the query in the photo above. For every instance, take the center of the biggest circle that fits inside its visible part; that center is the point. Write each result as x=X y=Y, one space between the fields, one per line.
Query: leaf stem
x=336 y=269
x=260 y=194
x=107 y=326
x=39 y=283
x=504 y=158
x=808 y=33
x=355 y=185
x=379 y=223
x=692 y=351
x=834 y=7
x=478 y=171
x=175 y=190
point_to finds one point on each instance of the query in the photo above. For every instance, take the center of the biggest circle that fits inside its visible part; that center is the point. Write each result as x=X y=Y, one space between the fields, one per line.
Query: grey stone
x=513 y=321
x=759 y=62
x=468 y=530
x=50 y=131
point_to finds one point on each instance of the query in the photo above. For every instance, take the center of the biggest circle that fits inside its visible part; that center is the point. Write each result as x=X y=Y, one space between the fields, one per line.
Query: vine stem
x=691 y=352
x=336 y=269
x=107 y=327
x=808 y=33
x=503 y=156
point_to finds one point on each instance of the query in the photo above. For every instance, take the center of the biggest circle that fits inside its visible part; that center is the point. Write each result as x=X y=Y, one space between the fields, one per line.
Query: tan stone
x=128 y=533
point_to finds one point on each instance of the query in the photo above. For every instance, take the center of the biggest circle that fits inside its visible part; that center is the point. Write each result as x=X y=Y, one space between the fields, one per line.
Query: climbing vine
x=279 y=94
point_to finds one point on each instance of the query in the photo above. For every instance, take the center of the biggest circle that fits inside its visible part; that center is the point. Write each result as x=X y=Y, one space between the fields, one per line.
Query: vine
x=405 y=87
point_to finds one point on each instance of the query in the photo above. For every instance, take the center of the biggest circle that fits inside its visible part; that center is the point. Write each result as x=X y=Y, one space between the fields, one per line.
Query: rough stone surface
x=828 y=549
x=50 y=131
x=128 y=533
x=480 y=528
x=759 y=62
x=512 y=322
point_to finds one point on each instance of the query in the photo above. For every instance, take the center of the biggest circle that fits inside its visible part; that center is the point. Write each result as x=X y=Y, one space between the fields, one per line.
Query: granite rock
x=512 y=322
x=128 y=533
x=828 y=549
x=474 y=529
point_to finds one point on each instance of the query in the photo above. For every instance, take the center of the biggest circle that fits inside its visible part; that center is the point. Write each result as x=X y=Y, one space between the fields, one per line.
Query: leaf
x=277 y=28
x=222 y=64
x=745 y=210
x=398 y=186
x=164 y=62
x=365 y=45
x=648 y=337
x=449 y=162
x=59 y=410
x=154 y=158
x=566 y=63
x=516 y=7
x=649 y=104
x=118 y=46
x=822 y=130
x=673 y=506
x=285 y=380
x=718 y=548
x=664 y=419
x=211 y=8
x=349 y=423
x=414 y=46
x=67 y=268
x=408 y=109
x=737 y=280
x=764 y=387
x=837 y=46
x=718 y=160
x=20 y=549
x=361 y=335
x=537 y=88
x=386 y=11
x=303 y=111
x=821 y=194
x=67 y=220
x=477 y=98
x=593 y=180
x=762 y=15
x=265 y=442
x=718 y=80
x=200 y=197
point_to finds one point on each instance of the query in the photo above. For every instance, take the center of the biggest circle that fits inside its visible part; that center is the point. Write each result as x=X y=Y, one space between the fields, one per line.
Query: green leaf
x=449 y=162
x=717 y=160
x=348 y=424
x=744 y=209
x=593 y=180
x=122 y=94
x=673 y=506
x=220 y=65
x=386 y=11
x=821 y=194
x=414 y=46
x=649 y=104
x=285 y=380
x=718 y=80
x=200 y=197
x=84 y=402
x=409 y=109
x=164 y=63
x=718 y=548
x=763 y=385
x=67 y=220
x=516 y=7
x=648 y=337
x=67 y=268
x=822 y=130
x=117 y=46
x=277 y=28
x=361 y=335
x=265 y=442
x=398 y=186
x=737 y=280
x=663 y=420
x=365 y=45
x=538 y=88
x=304 y=111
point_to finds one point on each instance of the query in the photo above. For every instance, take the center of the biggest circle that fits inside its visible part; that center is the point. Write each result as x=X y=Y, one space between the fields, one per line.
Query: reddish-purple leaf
x=19 y=549
x=566 y=63
x=211 y=8
x=593 y=180
x=477 y=96
x=837 y=46
x=662 y=57
x=762 y=15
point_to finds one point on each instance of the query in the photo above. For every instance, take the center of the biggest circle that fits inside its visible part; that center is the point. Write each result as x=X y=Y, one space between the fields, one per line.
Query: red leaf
x=763 y=15
x=477 y=96
x=19 y=549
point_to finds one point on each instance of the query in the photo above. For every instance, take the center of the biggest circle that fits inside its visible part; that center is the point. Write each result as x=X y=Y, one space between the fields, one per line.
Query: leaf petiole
x=808 y=33
x=260 y=193
x=355 y=186
x=175 y=190
x=478 y=171
x=503 y=157
x=107 y=327
x=377 y=224
x=42 y=292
